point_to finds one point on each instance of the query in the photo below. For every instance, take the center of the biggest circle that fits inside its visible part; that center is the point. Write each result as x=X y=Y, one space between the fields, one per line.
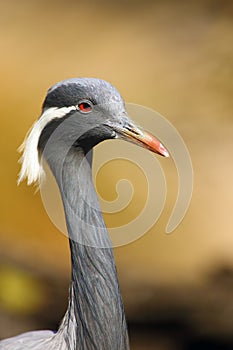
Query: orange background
x=172 y=56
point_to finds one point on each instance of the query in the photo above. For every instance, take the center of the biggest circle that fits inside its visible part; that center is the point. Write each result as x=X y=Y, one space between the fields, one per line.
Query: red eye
x=85 y=107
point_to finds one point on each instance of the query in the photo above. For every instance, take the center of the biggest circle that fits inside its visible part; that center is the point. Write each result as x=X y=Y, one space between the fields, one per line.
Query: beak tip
x=163 y=151
x=166 y=154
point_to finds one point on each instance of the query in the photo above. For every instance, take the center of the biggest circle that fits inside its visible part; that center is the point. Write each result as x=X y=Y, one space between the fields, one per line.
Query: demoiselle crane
x=77 y=114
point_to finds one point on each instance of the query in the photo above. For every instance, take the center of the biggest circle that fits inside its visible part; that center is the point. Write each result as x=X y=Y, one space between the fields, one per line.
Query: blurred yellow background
x=172 y=56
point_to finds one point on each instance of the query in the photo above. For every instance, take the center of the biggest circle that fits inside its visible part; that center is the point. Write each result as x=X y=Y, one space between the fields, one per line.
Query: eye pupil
x=85 y=107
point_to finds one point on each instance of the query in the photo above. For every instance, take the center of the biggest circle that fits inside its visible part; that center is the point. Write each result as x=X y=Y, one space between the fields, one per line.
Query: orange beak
x=142 y=138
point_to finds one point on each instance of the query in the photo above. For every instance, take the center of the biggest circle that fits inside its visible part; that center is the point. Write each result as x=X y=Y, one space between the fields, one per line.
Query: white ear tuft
x=31 y=168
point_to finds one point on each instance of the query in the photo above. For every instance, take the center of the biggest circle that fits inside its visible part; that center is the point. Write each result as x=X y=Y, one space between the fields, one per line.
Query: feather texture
x=31 y=168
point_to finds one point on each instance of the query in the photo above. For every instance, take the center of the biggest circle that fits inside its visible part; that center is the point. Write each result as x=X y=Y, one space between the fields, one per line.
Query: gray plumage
x=77 y=114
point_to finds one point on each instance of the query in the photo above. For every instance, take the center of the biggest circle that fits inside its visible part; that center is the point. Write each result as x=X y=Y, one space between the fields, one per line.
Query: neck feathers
x=96 y=300
x=95 y=317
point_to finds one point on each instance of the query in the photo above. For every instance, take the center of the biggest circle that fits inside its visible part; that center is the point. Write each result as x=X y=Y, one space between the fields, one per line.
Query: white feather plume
x=31 y=168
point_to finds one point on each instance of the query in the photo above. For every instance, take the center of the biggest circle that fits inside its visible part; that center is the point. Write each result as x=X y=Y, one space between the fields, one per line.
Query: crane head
x=81 y=112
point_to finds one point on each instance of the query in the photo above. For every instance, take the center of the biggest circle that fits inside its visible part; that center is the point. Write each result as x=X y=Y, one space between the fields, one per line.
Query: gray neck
x=95 y=318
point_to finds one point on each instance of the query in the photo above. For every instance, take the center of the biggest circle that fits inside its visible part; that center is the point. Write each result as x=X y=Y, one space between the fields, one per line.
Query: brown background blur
x=175 y=57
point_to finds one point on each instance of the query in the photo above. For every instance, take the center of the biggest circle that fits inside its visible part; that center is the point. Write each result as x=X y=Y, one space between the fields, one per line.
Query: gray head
x=95 y=106
x=71 y=91
x=86 y=111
